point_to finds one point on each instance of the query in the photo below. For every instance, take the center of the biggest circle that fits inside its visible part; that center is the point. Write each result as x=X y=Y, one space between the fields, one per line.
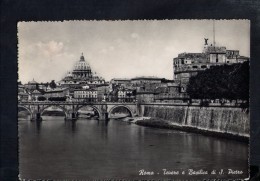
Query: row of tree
x=221 y=82
x=42 y=98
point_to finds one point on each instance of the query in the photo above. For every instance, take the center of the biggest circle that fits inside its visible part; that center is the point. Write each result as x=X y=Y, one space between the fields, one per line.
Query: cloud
x=128 y=49
x=107 y=50
x=103 y=50
x=50 y=49
x=134 y=35
x=39 y=55
x=111 y=48
x=169 y=48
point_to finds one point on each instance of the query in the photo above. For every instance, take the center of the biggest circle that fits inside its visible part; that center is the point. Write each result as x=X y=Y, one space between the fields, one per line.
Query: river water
x=92 y=149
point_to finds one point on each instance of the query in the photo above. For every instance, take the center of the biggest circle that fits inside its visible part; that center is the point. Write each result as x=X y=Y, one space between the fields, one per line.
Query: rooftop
x=121 y=79
x=147 y=77
x=192 y=55
x=56 y=90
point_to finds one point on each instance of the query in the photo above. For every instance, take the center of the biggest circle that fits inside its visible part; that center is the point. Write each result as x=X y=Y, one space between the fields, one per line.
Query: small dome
x=69 y=75
x=32 y=82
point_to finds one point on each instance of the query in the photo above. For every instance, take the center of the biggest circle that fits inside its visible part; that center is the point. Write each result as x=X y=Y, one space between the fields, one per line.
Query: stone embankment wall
x=229 y=120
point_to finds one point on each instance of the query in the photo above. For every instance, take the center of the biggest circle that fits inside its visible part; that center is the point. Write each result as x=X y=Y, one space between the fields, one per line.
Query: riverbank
x=160 y=123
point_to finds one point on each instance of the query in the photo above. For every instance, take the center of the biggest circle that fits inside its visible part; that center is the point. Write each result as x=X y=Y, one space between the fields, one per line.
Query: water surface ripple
x=91 y=149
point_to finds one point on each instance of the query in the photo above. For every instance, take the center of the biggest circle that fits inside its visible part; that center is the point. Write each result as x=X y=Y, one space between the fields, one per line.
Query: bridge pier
x=36 y=117
x=103 y=116
x=71 y=116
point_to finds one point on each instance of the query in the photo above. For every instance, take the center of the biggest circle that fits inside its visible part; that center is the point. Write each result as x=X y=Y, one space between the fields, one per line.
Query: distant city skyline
x=119 y=49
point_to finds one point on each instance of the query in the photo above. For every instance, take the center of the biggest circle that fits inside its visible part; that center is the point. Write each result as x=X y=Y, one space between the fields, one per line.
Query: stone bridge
x=70 y=109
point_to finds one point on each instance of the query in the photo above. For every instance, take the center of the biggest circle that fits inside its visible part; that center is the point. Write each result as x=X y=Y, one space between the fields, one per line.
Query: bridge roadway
x=104 y=109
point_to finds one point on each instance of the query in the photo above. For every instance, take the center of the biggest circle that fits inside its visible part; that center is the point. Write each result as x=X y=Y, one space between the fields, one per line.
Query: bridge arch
x=94 y=107
x=26 y=108
x=117 y=106
x=62 y=108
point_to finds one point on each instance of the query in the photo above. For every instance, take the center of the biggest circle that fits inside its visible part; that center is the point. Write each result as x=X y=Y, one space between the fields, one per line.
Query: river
x=92 y=149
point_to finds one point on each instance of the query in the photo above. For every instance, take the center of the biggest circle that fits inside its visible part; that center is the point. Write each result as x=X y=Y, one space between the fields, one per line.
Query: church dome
x=82 y=69
x=32 y=82
x=82 y=73
x=82 y=64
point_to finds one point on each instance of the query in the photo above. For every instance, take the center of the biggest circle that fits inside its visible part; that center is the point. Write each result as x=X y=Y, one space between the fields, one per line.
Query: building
x=145 y=79
x=58 y=92
x=143 y=97
x=21 y=88
x=68 y=81
x=171 y=93
x=187 y=65
x=112 y=96
x=125 y=95
x=82 y=70
x=82 y=74
x=120 y=81
x=23 y=95
x=102 y=92
x=31 y=85
x=86 y=95
x=43 y=86
x=35 y=94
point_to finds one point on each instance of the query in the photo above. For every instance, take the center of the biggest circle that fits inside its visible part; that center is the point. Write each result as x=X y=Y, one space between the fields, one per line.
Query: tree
x=53 y=84
x=134 y=92
x=221 y=82
x=41 y=98
x=57 y=99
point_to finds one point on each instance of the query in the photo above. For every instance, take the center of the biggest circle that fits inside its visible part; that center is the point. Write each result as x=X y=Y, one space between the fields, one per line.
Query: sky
x=119 y=49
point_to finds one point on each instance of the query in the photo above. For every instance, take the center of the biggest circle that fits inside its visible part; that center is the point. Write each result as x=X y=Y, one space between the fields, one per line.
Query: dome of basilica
x=82 y=69
x=82 y=64
x=82 y=73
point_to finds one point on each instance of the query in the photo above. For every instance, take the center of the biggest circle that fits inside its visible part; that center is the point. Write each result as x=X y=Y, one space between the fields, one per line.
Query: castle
x=189 y=64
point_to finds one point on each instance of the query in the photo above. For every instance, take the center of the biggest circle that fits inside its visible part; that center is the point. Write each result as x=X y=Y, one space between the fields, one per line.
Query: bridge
x=70 y=109
x=103 y=109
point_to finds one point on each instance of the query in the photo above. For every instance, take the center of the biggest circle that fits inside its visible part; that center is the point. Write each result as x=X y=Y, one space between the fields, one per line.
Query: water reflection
x=70 y=126
x=38 y=126
x=91 y=149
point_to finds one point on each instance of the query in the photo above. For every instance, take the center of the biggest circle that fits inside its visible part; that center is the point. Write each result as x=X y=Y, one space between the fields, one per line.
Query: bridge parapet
x=74 y=103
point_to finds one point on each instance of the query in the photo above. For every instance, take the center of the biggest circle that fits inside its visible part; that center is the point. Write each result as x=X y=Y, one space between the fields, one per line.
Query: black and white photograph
x=133 y=99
